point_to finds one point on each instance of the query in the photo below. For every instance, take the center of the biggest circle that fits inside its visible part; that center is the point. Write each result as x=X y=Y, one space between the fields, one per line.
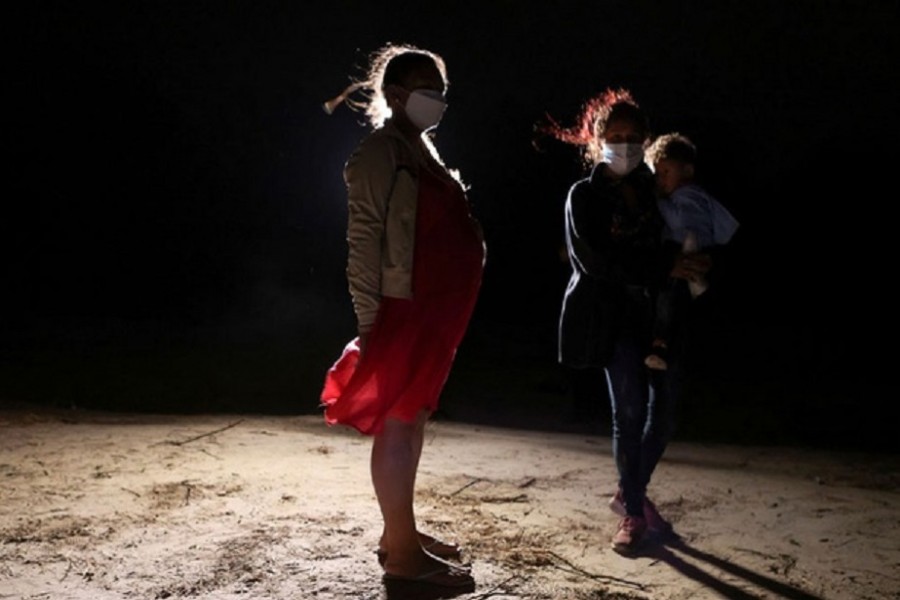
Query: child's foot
x=656 y=363
x=656 y=360
x=698 y=287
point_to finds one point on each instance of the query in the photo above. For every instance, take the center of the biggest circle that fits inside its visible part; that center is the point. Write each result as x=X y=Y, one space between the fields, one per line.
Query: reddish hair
x=595 y=114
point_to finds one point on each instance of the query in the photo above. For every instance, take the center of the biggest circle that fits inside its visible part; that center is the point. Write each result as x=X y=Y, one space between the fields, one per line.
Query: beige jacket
x=382 y=193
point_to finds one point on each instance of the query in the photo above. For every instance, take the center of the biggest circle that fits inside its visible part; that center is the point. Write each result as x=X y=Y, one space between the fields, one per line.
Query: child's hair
x=610 y=105
x=672 y=146
x=390 y=65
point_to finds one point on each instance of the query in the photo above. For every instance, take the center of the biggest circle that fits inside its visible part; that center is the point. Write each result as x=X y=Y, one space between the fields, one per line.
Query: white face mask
x=425 y=108
x=623 y=158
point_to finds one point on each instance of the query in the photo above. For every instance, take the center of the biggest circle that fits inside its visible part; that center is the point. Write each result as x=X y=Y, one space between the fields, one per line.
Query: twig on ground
x=125 y=489
x=68 y=568
x=205 y=451
x=572 y=568
x=201 y=436
x=504 y=499
x=497 y=589
x=468 y=485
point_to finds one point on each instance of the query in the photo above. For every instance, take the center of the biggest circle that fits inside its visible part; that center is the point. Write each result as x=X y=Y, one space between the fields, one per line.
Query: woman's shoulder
x=378 y=150
x=380 y=140
x=580 y=185
x=594 y=184
x=387 y=143
x=580 y=190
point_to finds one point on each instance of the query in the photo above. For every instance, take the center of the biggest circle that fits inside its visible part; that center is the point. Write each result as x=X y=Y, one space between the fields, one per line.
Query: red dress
x=412 y=343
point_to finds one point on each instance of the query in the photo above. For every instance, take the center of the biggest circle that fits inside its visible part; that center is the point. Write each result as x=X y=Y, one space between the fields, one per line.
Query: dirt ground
x=97 y=506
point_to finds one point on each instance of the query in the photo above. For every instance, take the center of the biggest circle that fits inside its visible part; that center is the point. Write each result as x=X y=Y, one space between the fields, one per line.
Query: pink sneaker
x=655 y=520
x=629 y=535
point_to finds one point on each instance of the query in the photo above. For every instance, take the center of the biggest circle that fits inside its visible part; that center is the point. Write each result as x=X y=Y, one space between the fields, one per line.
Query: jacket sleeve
x=587 y=233
x=369 y=175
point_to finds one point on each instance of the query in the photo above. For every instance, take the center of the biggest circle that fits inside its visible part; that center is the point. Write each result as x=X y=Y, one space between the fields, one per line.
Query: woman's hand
x=363 y=340
x=691 y=267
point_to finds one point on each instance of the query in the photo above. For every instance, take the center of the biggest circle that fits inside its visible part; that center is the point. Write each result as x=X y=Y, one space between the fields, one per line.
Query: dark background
x=173 y=227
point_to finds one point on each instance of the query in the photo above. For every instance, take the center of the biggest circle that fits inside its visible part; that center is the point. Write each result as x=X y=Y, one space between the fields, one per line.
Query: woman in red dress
x=414 y=270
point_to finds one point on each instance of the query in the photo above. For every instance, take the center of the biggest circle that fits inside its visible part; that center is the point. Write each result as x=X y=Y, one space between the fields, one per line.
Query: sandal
x=434 y=546
x=448 y=578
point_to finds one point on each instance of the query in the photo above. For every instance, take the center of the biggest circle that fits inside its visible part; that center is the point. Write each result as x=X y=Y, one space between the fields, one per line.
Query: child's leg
x=662 y=325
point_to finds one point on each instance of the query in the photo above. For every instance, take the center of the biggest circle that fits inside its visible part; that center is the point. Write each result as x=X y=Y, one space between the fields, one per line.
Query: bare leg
x=432 y=545
x=395 y=458
x=404 y=469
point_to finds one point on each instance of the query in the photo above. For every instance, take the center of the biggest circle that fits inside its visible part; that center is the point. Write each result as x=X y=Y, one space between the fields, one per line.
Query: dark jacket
x=613 y=242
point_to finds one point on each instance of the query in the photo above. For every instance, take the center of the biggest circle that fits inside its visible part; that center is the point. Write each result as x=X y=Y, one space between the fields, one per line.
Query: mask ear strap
x=329 y=106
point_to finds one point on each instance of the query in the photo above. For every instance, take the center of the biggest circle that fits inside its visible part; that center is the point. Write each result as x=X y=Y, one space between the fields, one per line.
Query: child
x=694 y=220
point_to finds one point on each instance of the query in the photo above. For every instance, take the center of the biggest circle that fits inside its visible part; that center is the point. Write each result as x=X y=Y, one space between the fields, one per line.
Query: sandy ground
x=103 y=505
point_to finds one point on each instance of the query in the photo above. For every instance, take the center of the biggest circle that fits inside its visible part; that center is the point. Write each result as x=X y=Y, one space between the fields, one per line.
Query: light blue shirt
x=691 y=208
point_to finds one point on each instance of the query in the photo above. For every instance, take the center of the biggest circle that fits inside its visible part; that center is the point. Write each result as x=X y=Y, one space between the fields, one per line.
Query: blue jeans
x=643 y=400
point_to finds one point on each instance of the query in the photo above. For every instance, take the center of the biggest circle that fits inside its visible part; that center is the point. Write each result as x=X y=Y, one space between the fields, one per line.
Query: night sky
x=173 y=229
